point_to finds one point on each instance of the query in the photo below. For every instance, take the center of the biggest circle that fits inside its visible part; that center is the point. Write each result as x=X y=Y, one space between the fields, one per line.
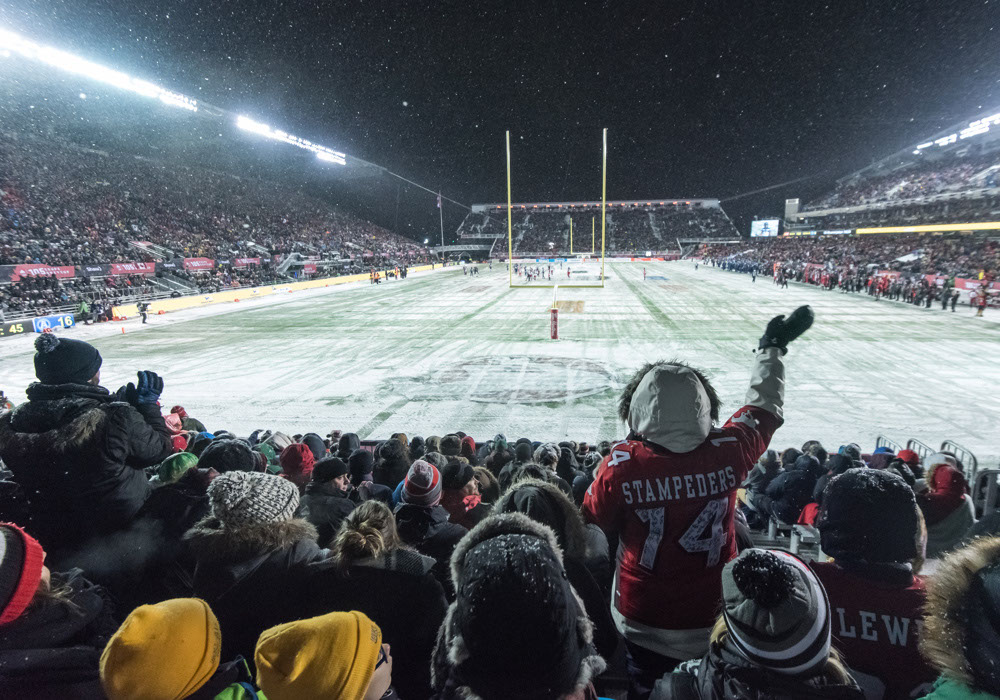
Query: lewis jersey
x=673 y=513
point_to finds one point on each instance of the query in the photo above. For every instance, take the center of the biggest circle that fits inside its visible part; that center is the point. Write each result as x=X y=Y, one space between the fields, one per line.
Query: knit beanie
x=456 y=475
x=64 y=360
x=179 y=410
x=547 y=455
x=270 y=455
x=522 y=452
x=910 y=457
x=297 y=460
x=451 y=445
x=360 y=463
x=328 y=469
x=838 y=464
x=422 y=485
x=416 y=447
x=435 y=458
x=200 y=443
x=252 y=498
x=789 y=456
x=468 y=448
x=776 y=611
x=851 y=450
x=869 y=515
x=315 y=443
x=21 y=558
x=347 y=444
x=331 y=656
x=517 y=629
x=165 y=651
x=228 y=456
x=175 y=466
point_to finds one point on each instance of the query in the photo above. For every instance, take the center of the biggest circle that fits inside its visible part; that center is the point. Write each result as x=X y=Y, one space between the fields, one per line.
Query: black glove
x=781 y=331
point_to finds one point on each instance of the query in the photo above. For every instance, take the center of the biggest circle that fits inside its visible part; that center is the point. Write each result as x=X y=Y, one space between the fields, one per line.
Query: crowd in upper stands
x=150 y=555
x=951 y=172
x=912 y=254
x=65 y=205
x=43 y=295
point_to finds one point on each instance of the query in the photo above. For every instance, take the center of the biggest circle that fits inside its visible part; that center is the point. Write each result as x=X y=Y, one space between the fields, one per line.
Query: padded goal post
x=570 y=271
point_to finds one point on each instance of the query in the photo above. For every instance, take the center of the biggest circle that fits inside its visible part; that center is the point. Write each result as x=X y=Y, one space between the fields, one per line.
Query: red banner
x=243 y=262
x=133 y=268
x=198 y=263
x=309 y=267
x=60 y=271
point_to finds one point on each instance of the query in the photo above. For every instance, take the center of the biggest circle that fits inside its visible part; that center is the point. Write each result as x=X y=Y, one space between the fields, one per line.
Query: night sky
x=700 y=98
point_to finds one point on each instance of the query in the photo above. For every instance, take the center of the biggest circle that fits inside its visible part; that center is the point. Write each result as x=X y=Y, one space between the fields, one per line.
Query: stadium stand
x=456 y=545
x=631 y=227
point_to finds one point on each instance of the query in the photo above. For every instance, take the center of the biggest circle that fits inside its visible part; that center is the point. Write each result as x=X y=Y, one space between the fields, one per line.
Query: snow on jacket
x=428 y=530
x=53 y=651
x=80 y=456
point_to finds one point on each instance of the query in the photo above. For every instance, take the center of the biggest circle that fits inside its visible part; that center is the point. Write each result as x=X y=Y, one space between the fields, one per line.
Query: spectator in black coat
x=791 y=490
x=78 y=452
x=585 y=550
x=251 y=556
x=347 y=444
x=423 y=523
x=391 y=463
x=327 y=501
x=835 y=466
x=360 y=465
x=500 y=456
x=371 y=570
x=53 y=627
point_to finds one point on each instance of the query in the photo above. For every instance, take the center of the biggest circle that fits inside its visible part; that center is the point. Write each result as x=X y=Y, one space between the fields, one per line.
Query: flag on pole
x=439 y=200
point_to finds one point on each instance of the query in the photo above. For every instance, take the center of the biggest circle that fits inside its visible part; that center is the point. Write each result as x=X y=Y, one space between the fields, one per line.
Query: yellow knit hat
x=330 y=656
x=165 y=651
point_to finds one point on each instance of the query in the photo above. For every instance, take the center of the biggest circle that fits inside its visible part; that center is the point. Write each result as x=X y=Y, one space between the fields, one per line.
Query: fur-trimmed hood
x=961 y=634
x=210 y=541
x=502 y=554
x=547 y=504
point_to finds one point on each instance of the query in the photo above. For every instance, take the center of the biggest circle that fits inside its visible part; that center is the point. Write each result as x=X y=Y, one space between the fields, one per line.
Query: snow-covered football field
x=441 y=352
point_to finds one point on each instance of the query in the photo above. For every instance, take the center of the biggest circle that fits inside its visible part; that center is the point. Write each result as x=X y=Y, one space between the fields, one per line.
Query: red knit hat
x=909 y=456
x=21 y=558
x=179 y=410
x=297 y=459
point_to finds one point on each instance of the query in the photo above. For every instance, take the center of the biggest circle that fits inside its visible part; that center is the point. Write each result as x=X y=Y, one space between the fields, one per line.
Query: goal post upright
x=510 y=229
x=571 y=235
x=604 y=195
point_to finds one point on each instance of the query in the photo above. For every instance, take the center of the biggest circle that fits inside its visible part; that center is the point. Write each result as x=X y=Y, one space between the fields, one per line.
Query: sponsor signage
x=198 y=263
x=243 y=262
x=133 y=268
x=14 y=328
x=19 y=271
x=45 y=323
x=92 y=270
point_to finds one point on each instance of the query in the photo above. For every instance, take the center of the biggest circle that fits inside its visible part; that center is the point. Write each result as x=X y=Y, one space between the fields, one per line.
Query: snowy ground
x=441 y=352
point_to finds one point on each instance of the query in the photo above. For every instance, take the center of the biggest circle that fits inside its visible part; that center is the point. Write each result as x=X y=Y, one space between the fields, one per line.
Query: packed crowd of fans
x=65 y=205
x=628 y=230
x=951 y=211
x=150 y=555
x=35 y=296
x=911 y=254
x=952 y=172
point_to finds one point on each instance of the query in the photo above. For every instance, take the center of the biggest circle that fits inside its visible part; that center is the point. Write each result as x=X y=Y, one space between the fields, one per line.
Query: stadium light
x=13 y=43
x=322 y=152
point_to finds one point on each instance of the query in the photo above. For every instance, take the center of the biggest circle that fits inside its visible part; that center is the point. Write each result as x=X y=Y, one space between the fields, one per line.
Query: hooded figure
x=77 y=450
x=518 y=630
x=315 y=443
x=585 y=550
x=961 y=634
x=347 y=444
x=500 y=456
x=946 y=505
x=248 y=550
x=669 y=493
x=791 y=490
x=392 y=463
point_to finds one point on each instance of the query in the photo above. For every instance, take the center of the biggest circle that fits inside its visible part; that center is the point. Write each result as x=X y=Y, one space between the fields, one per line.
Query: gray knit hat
x=776 y=611
x=252 y=498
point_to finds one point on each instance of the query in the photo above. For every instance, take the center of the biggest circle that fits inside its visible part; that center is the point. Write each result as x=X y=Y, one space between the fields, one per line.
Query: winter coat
x=567 y=467
x=252 y=577
x=79 y=455
x=723 y=674
x=947 y=689
x=946 y=489
x=400 y=593
x=370 y=491
x=465 y=510
x=760 y=478
x=53 y=650
x=325 y=506
x=497 y=460
x=585 y=551
x=789 y=493
x=347 y=444
x=429 y=531
x=944 y=535
x=392 y=464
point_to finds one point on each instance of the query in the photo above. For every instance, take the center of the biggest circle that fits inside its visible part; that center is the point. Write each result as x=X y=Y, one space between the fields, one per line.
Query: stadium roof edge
x=907 y=154
x=659 y=201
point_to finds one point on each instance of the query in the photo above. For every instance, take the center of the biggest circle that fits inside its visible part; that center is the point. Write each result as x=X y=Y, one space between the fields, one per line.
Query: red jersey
x=674 y=515
x=876 y=626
